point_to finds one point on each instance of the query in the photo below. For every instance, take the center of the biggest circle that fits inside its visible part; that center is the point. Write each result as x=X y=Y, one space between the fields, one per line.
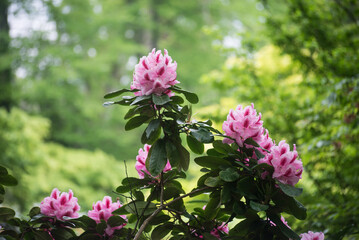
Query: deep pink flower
x=60 y=205
x=287 y=168
x=103 y=211
x=243 y=123
x=222 y=228
x=141 y=161
x=312 y=236
x=265 y=142
x=155 y=74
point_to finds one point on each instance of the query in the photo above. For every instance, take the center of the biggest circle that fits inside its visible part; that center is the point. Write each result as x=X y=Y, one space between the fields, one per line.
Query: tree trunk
x=5 y=59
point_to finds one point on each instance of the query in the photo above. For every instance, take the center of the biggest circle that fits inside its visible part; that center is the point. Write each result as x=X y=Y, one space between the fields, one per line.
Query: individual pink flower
x=243 y=123
x=287 y=168
x=60 y=205
x=141 y=162
x=265 y=142
x=312 y=236
x=103 y=211
x=155 y=74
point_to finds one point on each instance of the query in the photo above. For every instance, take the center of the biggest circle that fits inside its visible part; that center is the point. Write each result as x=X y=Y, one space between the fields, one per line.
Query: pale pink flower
x=243 y=123
x=312 y=236
x=265 y=142
x=287 y=168
x=155 y=74
x=60 y=205
x=141 y=162
x=103 y=211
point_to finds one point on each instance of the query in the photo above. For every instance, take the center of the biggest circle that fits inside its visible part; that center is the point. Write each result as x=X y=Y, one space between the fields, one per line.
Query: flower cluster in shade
x=312 y=236
x=141 y=161
x=287 y=167
x=102 y=210
x=243 y=123
x=60 y=205
x=154 y=74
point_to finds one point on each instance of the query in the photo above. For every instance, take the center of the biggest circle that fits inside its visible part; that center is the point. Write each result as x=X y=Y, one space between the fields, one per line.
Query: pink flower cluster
x=60 y=205
x=103 y=211
x=287 y=168
x=312 y=236
x=222 y=228
x=155 y=74
x=243 y=123
x=141 y=162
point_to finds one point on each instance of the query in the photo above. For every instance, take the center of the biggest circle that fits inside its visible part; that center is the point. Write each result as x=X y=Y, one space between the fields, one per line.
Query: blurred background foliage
x=296 y=60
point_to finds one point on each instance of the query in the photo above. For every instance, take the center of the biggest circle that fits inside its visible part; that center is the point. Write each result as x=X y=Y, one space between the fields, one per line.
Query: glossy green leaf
x=135 y=122
x=115 y=221
x=202 y=135
x=160 y=100
x=118 y=93
x=152 y=127
x=212 y=181
x=34 y=211
x=285 y=230
x=157 y=158
x=290 y=190
x=229 y=175
x=250 y=141
x=211 y=162
x=196 y=146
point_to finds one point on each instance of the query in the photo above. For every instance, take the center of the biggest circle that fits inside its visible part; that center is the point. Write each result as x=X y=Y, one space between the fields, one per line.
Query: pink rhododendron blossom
x=287 y=168
x=155 y=74
x=265 y=142
x=243 y=123
x=141 y=162
x=60 y=205
x=103 y=211
x=312 y=236
x=222 y=228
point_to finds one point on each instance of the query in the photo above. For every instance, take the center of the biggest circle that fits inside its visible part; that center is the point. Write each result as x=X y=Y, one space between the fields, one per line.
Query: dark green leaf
x=221 y=147
x=290 y=190
x=177 y=99
x=139 y=207
x=161 y=231
x=160 y=219
x=177 y=155
x=285 y=230
x=157 y=158
x=34 y=211
x=141 y=99
x=138 y=195
x=226 y=193
x=196 y=146
x=212 y=207
x=259 y=155
x=42 y=235
x=62 y=233
x=87 y=221
x=229 y=175
x=8 y=180
x=90 y=236
x=2 y=189
x=250 y=141
x=136 y=122
x=117 y=93
x=298 y=210
x=202 y=135
x=212 y=181
x=247 y=187
x=160 y=100
x=211 y=162
x=100 y=228
x=6 y=213
x=3 y=171
x=152 y=127
x=257 y=206
x=115 y=221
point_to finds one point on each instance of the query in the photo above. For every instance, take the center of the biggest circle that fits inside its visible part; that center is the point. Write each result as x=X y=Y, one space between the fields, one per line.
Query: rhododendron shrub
x=247 y=180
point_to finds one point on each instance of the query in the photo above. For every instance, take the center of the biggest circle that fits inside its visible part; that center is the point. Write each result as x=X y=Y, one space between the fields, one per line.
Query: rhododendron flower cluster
x=266 y=142
x=141 y=161
x=103 y=211
x=60 y=205
x=222 y=228
x=287 y=168
x=243 y=123
x=155 y=74
x=312 y=236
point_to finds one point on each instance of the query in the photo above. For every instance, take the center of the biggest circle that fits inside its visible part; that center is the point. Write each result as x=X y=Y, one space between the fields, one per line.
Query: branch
x=144 y=224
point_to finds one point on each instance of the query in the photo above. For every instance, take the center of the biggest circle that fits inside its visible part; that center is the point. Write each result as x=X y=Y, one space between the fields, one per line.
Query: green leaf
x=138 y=195
x=221 y=147
x=141 y=99
x=152 y=127
x=247 y=187
x=137 y=207
x=202 y=135
x=3 y=170
x=161 y=231
x=229 y=175
x=284 y=229
x=226 y=193
x=100 y=228
x=178 y=155
x=2 y=189
x=85 y=220
x=136 y=122
x=177 y=99
x=250 y=141
x=34 y=211
x=62 y=233
x=115 y=221
x=257 y=206
x=212 y=181
x=290 y=190
x=159 y=219
x=211 y=162
x=6 y=213
x=298 y=210
x=157 y=158
x=196 y=146
x=212 y=207
x=90 y=236
x=118 y=93
x=160 y=100
x=42 y=235
x=8 y=180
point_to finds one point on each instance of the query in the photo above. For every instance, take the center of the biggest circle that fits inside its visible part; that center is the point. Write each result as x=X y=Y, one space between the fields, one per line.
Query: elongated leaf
x=3 y=170
x=136 y=122
x=152 y=127
x=250 y=141
x=160 y=100
x=285 y=230
x=221 y=147
x=42 y=235
x=202 y=135
x=62 y=233
x=290 y=190
x=118 y=93
x=8 y=180
x=177 y=99
x=139 y=207
x=257 y=206
x=161 y=231
x=6 y=213
x=115 y=221
x=212 y=181
x=157 y=158
x=196 y=146
x=229 y=175
x=211 y=162
x=212 y=207
x=34 y=211
x=140 y=99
